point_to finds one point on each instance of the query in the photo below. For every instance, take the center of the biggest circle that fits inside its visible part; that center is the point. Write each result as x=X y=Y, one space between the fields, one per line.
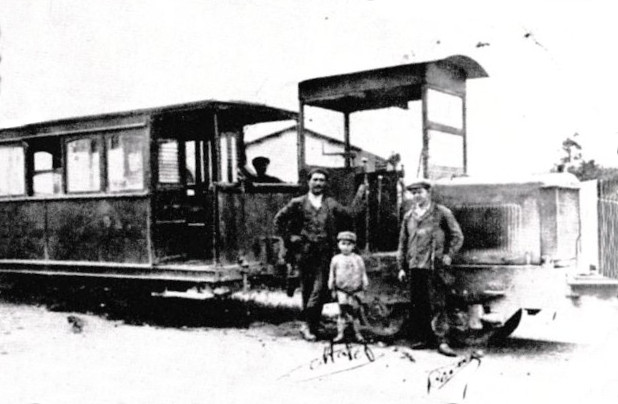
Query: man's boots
x=306 y=333
x=446 y=350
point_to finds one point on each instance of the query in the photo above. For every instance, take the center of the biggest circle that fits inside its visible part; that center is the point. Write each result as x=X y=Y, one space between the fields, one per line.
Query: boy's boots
x=357 y=334
x=341 y=323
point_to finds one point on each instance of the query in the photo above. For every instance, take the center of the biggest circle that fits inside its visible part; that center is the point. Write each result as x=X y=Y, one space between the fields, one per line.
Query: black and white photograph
x=285 y=201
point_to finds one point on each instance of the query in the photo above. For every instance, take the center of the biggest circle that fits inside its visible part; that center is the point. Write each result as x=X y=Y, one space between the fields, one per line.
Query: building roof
x=294 y=127
x=310 y=132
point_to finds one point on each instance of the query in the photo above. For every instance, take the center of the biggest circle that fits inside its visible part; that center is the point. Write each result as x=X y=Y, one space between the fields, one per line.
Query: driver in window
x=260 y=165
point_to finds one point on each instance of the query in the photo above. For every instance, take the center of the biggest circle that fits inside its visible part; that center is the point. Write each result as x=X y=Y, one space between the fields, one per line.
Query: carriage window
x=12 y=167
x=229 y=162
x=190 y=161
x=46 y=176
x=125 y=164
x=83 y=165
x=169 y=169
x=46 y=166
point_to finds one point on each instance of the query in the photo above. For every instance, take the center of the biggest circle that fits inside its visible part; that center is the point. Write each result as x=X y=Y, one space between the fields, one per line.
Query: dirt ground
x=565 y=356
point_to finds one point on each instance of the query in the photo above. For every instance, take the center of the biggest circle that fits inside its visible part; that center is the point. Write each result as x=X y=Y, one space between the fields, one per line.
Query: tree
x=573 y=162
x=572 y=154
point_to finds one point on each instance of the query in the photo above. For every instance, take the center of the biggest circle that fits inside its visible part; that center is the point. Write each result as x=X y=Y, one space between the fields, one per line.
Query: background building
x=321 y=150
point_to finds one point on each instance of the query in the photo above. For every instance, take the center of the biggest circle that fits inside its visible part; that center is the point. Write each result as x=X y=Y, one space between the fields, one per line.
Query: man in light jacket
x=428 y=240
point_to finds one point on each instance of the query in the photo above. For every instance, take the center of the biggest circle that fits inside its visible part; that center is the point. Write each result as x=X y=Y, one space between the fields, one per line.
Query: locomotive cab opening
x=421 y=105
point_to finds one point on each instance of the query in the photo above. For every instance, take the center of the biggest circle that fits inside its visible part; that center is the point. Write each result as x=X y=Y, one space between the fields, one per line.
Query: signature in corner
x=332 y=361
x=351 y=353
x=439 y=377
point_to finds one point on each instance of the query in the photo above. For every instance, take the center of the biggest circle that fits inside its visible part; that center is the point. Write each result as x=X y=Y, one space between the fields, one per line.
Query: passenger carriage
x=149 y=195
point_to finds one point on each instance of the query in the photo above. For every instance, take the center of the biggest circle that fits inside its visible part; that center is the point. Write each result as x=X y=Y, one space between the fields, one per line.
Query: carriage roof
x=243 y=113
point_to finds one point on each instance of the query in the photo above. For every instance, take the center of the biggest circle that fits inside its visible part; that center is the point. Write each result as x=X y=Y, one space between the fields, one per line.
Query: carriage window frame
x=105 y=183
x=229 y=157
x=174 y=179
x=44 y=180
x=49 y=179
x=101 y=169
x=12 y=176
x=129 y=163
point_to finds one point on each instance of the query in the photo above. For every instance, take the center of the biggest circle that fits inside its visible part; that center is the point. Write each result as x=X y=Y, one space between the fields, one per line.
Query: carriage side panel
x=101 y=230
x=22 y=234
x=247 y=230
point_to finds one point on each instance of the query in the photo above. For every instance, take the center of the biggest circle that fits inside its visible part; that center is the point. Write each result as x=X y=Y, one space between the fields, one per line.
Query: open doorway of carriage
x=183 y=197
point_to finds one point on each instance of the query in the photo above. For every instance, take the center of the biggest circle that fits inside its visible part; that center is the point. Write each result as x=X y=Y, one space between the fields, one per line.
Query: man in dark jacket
x=429 y=237
x=310 y=224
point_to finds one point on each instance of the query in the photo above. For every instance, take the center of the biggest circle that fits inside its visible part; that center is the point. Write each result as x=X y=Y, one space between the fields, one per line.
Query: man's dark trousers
x=428 y=315
x=314 y=266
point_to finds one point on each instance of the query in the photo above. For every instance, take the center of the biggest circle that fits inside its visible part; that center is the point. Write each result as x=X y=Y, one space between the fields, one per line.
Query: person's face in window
x=317 y=182
x=260 y=168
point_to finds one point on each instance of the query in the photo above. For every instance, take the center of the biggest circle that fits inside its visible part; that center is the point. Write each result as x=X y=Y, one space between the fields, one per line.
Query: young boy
x=348 y=279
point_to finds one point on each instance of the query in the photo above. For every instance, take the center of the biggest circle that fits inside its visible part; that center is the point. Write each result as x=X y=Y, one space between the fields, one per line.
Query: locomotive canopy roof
x=381 y=88
x=242 y=113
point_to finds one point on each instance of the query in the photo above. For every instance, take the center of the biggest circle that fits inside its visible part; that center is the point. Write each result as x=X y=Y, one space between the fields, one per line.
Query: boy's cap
x=419 y=183
x=347 y=235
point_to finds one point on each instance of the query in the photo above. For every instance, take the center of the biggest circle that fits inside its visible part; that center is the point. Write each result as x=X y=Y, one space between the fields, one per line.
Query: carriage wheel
x=383 y=320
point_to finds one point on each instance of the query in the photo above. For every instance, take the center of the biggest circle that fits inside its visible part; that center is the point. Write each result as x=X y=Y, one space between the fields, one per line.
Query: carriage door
x=199 y=198
x=183 y=196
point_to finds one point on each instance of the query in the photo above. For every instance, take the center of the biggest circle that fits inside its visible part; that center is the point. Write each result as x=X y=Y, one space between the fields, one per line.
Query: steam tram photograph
x=157 y=201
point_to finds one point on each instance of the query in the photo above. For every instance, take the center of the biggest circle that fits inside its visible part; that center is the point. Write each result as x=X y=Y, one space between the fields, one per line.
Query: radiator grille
x=490 y=226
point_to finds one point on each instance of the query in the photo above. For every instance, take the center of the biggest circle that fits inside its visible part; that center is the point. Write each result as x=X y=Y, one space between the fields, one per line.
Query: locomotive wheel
x=383 y=320
x=508 y=328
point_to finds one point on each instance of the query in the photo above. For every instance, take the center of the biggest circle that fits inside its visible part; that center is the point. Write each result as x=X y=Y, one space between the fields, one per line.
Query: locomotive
x=522 y=235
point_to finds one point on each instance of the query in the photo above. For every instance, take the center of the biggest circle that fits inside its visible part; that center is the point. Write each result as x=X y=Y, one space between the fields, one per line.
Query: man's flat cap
x=419 y=183
x=318 y=170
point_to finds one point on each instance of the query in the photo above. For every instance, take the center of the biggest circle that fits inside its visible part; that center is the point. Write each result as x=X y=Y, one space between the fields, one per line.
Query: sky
x=551 y=65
